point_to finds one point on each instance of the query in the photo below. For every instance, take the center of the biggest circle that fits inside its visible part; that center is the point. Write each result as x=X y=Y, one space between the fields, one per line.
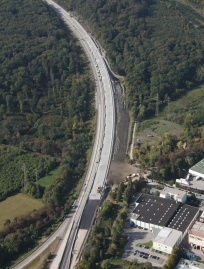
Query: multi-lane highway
x=75 y=229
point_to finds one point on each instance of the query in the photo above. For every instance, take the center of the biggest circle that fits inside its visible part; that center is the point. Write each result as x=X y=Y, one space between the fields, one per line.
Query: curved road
x=101 y=154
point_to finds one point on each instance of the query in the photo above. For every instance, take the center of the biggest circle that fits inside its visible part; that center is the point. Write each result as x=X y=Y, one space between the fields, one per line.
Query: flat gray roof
x=168 y=237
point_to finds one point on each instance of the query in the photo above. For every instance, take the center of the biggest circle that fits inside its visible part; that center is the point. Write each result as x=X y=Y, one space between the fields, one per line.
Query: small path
x=133 y=142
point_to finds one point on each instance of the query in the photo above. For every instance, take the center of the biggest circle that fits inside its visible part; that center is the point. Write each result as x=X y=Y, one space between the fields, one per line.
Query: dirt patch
x=119 y=171
x=119 y=168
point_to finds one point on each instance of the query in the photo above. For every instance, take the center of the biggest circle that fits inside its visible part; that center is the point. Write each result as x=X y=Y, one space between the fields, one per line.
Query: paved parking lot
x=133 y=251
x=198 y=184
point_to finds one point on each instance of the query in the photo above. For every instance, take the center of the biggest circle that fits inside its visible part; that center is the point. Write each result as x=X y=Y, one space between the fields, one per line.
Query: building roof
x=198 y=167
x=202 y=215
x=186 y=264
x=155 y=210
x=173 y=191
x=197 y=229
x=168 y=237
x=183 y=217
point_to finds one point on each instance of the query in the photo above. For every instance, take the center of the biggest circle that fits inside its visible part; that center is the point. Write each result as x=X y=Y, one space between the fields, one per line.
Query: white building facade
x=177 y=195
x=167 y=239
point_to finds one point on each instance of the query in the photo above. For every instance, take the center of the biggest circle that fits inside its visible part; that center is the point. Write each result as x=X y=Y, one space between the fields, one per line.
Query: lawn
x=17 y=205
x=47 y=180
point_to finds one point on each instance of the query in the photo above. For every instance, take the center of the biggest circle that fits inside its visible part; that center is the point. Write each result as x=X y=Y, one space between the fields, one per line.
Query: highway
x=73 y=236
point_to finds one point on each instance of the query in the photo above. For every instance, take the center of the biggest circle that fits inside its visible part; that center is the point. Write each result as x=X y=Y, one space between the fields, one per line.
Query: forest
x=46 y=113
x=157 y=45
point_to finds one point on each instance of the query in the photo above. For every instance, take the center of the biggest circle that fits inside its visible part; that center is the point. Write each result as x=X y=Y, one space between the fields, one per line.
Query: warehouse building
x=184 y=218
x=156 y=212
x=198 y=169
x=151 y=211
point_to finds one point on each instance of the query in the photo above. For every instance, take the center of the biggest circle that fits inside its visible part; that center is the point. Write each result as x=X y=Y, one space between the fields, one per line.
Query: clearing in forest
x=16 y=206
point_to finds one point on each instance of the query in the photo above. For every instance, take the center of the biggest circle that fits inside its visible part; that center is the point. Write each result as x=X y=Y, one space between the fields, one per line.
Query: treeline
x=174 y=257
x=22 y=233
x=107 y=240
x=152 y=43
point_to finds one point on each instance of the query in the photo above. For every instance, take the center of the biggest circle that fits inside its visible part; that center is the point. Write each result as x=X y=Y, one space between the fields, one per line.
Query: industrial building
x=196 y=236
x=169 y=220
x=198 y=169
x=151 y=211
x=186 y=264
x=167 y=239
x=184 y=218
x=171 y=193
x=201 y=218
x=156 y=212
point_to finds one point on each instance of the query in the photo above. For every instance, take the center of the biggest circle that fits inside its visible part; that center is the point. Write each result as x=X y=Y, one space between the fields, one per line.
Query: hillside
x=155 y=44
x=45 y=95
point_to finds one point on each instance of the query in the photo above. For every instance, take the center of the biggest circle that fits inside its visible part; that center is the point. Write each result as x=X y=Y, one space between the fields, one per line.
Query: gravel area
x=119 y=168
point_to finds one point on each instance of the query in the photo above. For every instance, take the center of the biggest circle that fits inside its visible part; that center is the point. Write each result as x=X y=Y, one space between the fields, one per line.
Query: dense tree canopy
x=157 y=45
x=45 y=94
x=46 y=97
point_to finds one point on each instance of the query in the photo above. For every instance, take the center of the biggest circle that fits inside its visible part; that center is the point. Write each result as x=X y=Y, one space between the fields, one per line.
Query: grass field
x=192 y=102
x=151 y=131
x=47 y=180
x=17 y=205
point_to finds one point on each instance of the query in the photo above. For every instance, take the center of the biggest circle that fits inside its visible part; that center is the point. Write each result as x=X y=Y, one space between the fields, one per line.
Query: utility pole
x=37 y=185
x=25 y=174
x=157 y=105
x=168 y=110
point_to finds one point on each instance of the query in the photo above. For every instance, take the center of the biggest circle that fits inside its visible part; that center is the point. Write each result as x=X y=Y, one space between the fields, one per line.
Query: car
x=157 y=258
